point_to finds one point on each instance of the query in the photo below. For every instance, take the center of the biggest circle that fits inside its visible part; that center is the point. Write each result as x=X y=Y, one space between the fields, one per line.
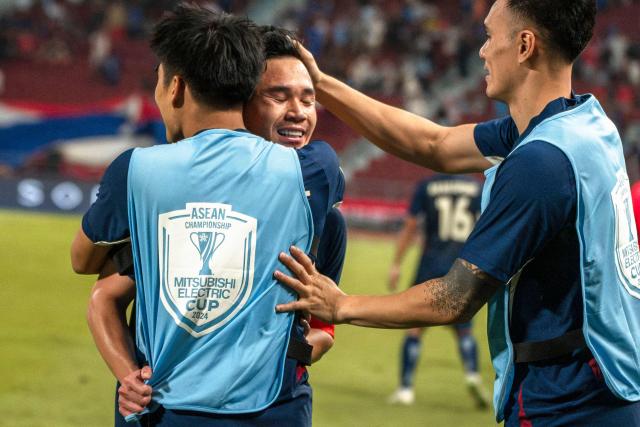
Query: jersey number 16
x=455 y=219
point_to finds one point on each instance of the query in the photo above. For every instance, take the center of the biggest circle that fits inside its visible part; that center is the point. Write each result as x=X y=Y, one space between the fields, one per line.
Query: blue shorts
x=567 y=391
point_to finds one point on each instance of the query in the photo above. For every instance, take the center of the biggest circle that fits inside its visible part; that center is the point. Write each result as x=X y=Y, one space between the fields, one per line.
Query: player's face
x=500 y=52
x=164 y=97
x=283 y=107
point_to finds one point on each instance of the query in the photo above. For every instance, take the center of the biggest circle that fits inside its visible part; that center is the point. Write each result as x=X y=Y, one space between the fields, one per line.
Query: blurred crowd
x=63 y=31
x=403 y=51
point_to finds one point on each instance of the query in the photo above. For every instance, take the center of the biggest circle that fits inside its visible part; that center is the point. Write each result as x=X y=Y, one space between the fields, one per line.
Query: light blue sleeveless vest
x=610 y=259
x=208 y=217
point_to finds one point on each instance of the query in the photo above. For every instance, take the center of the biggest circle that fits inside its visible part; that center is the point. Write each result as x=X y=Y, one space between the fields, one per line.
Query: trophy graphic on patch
x=206 y=242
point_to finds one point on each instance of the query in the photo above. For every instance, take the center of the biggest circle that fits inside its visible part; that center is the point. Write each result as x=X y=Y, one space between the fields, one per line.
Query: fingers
x=299 y=47
x=124 y=411
x=134 y=394
x=126 y=407
x=309 y=61
x=305 y=326
x=292 y=283
x=303 y=259
x=292 y=306
x=296 y=268
x=136 y=385
x=129 y=402
x=145 y=372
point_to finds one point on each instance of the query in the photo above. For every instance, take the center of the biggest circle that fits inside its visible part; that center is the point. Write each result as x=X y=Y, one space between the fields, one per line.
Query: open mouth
x=289 y=133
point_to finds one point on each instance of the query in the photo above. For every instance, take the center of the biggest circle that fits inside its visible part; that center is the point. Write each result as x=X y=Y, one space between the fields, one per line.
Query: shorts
x=568 y=391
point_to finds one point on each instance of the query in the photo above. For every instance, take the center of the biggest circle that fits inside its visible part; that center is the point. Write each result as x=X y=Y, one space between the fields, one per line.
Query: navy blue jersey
x=107 y=221
x=449 y=205
x=531 y=217
x=529 y=226
x=333 y=246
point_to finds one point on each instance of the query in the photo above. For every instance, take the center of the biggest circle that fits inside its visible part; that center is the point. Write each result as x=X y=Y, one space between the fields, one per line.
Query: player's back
x=450 y=205
x=208 y=217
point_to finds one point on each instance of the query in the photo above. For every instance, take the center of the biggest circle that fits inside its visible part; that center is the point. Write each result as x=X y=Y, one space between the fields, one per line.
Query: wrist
x=341 y=313
x=320 y=83
x=124 y=373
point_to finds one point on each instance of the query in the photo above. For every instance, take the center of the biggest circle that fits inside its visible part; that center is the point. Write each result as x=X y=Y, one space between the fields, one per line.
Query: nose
x=482 y=50
x=295 y=111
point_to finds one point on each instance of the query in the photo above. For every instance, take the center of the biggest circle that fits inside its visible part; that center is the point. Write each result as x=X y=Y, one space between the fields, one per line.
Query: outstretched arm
x=398 y=132
x=454 y=298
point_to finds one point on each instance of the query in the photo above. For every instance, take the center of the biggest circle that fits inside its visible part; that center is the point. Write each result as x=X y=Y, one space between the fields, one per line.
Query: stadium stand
x=424 y=54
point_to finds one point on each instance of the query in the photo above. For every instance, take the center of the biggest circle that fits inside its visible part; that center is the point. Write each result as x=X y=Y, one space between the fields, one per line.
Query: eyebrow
x=282 y=88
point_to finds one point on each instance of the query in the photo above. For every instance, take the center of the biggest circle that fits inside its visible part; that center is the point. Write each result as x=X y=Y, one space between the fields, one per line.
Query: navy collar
x=551 y=109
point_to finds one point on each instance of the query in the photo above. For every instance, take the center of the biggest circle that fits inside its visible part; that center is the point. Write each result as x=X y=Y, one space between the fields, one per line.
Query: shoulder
x=116 y=175
x=538 y=170
x=320 y=166
x=496 y=137
x=423 y=183
x=319 y=153
x=121 y=163
x=540 y=157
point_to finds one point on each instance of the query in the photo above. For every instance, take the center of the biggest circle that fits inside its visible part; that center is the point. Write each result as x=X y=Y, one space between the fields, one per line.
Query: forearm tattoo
x=461 y=293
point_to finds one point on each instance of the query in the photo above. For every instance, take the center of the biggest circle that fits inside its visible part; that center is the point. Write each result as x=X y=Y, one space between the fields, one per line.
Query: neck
x=537 y=90
x=201 y=118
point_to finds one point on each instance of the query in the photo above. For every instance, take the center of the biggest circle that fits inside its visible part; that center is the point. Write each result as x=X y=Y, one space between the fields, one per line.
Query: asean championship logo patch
x=207 y=254
x=627 y=250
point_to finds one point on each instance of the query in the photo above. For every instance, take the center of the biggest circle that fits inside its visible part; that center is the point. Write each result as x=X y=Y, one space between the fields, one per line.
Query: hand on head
x=309 y=62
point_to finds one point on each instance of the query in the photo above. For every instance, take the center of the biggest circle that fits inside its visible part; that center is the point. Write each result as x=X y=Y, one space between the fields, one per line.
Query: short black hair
x=278 y=42
x=219 y=56
x=566 y=25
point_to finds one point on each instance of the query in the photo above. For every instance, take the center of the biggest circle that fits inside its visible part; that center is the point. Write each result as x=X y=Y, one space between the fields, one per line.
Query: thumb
x=145 y=372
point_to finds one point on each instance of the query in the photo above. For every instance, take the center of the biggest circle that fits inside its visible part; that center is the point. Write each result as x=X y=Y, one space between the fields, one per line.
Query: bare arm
x=321 y=342
x=86 y=256
x=405 y=238
x=398 y=132
x=453 y=298
x=106 y=316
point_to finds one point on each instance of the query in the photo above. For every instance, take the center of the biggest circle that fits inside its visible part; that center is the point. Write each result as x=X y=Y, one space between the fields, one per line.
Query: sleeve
x=496 y=138
x=532 y=199
x=122 y=257
x=107 y=220
x=417 y=205
x=333 y=246
x=327 y=327
x=323 y=180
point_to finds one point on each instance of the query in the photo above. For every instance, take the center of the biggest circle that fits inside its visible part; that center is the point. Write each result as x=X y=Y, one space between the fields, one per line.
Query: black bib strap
x=300 y=350
x=535 y=351
x=122 y=257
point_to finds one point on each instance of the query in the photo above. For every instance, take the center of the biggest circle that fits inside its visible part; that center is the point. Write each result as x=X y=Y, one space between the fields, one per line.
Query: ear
x=178 y=87
x=527 y=43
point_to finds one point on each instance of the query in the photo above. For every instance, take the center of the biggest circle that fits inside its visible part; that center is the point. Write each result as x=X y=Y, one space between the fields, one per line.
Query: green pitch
x=51 y=374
